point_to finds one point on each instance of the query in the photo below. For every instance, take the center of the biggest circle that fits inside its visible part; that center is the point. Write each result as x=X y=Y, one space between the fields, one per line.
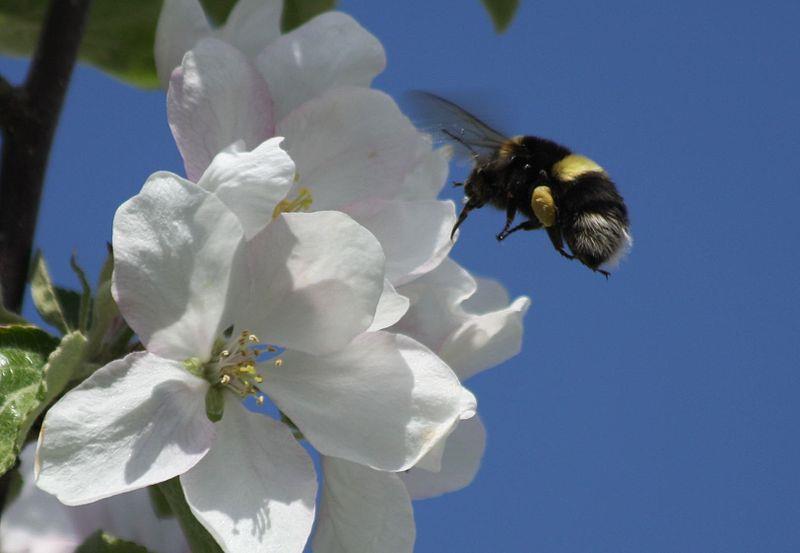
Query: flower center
x=233 y=366
x=301 y=202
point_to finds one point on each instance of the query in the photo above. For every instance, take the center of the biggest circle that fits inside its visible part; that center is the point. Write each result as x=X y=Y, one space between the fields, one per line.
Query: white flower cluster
x=303 y=260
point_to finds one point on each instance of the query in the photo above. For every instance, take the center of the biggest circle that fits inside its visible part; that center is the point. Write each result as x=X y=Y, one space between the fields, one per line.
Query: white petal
x=391 y=308
x=349 y=145
x=489 y=295
x=472 y=328
x=363 y=511
x=215 y=98
x=460 y=463
x=251 y=183
x=135 y=422
x=180 y=25
x=252 y=25
x=330 y=51
x=486 y=340
x=317 y=281
x=173 y=248
x=436 y=304
x=426 y=179
x=256 y=488
x=36 y=522
x=415 y=236
x=383 y=401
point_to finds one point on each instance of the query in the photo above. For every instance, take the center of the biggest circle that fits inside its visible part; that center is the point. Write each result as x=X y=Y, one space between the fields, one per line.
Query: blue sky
x=656 y=412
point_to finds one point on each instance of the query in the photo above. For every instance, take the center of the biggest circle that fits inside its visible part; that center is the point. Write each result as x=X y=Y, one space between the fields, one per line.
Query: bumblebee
x=567 y=194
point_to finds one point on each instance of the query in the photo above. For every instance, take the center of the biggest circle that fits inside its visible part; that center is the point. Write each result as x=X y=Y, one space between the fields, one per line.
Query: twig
x=29 y=116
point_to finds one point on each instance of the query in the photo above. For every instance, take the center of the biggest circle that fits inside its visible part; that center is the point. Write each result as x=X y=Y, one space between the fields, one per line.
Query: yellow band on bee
x=573 y=166
x=543 y=205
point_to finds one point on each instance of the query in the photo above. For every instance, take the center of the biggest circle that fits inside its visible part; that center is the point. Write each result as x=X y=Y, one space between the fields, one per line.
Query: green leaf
x=62 y=365
x=101 y=542
x=200 y=541
x=107 y=270
x=23 y=354
x=86 y=294
x=297 y=12
x=70 y=303
x=45 y=296
x=502 y=12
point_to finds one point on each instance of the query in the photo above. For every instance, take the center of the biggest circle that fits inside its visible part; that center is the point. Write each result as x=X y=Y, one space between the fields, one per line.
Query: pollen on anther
x=225 y=379
x=224 y=353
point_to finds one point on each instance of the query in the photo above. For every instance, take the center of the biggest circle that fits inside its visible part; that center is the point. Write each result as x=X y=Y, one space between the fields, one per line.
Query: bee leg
x=602 y=272
x=527 y=225
x=558 y=243
x=511 y=212
x=469 y=206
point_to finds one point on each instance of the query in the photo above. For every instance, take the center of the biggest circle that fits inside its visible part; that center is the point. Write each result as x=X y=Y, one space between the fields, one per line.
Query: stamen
x=235 y=366
x=300 y=203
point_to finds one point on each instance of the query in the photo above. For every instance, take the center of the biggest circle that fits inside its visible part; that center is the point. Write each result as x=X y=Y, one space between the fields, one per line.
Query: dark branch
x=29 y=119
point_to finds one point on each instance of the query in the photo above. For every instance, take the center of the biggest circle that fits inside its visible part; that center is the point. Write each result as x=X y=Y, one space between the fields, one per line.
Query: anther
x=278 y=362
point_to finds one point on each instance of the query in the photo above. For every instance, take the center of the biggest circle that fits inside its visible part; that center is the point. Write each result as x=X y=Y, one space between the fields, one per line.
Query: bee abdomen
x=595 y=221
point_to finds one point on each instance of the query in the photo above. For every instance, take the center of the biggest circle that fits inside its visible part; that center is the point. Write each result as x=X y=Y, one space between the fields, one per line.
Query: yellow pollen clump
x=543 y=205
x=301 y=202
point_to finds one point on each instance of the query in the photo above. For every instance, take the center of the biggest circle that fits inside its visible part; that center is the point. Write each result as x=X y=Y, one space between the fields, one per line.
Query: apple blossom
x=185 y=272
x=354 y=151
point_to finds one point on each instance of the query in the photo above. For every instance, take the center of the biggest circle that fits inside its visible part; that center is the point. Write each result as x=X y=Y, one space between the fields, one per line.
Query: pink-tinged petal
x=180 y=25
x=36 y=522
x=252 y=25
x=330 y=51
x=251 y=183
x=174 y=245
x=350 y=145
x=461 y=459
x=137 y=421
x=391 y=308
x=363 y=510
x=215 y=98
x=415 y=236
x=470 y=324
x=383 y=401
x=317 y=279
x=256 y=488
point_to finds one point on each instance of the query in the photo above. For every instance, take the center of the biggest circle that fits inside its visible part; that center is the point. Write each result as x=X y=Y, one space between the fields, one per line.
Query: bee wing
x=449 y=124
